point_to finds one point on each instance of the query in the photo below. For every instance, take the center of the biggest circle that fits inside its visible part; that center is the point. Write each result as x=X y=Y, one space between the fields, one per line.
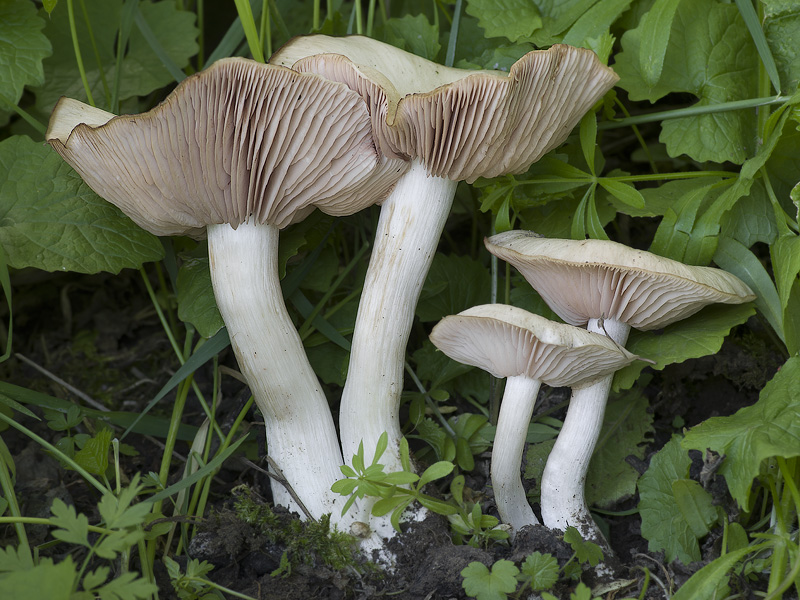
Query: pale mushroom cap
x=461 y=124
x=508 y=341
x=590 y=279
x=237 y=142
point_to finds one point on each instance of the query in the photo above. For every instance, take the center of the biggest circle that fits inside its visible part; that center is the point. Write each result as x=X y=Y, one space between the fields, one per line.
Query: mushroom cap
x=590 y=279
x=239 y=141
x=461 y=124
x=508 y=341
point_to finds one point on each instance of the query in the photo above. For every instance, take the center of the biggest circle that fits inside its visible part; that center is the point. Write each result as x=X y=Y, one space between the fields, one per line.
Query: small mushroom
x=529 y=350
x=609 y=288
x=238 y=152
x=452 y=124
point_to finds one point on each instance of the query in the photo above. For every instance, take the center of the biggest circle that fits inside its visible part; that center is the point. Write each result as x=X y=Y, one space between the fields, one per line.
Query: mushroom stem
x=301 y=437
x=411 y=221
x=516 y=410
x=563 y=499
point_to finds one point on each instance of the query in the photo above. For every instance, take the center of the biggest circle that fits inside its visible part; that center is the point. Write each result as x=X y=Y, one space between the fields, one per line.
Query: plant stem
x=76 y=47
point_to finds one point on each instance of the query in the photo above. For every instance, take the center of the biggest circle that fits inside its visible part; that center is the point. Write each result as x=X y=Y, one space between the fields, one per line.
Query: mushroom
x=452 y=124
x=609 y=288
x=238 y=152
x=528 y=350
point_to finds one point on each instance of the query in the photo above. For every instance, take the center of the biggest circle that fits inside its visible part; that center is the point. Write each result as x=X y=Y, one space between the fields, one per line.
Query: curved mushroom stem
x=563 y=499
x=301 y=437
x=410 y=224
x=516 y=410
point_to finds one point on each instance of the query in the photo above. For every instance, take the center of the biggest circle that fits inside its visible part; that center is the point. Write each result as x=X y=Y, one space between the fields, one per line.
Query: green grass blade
x=207 y=351
x=750 y=17
x=249 y=25
x=156 y=46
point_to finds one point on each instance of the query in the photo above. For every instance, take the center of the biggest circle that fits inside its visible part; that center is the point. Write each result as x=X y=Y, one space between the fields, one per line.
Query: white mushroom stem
x=563 y=499
x=410 y=224
x=301 y=437
x=516 y=410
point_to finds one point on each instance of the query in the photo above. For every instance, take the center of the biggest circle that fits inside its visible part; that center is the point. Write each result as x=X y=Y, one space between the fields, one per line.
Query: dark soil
x=120 y=357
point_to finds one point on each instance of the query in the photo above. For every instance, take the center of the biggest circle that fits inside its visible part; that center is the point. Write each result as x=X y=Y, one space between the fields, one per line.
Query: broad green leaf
x=196 y=303
x=45 y=580
x=466 y=283
x=588 y=138
x=677 y=227
x=656 y=26
x=707 y=580
x=542 y=569
x=663 y=524
x=735 y=258
x=785 y=264
x=414 y=34
x=557 y=17
x=754 y=26
x=659 y=200
x=51 y=220
x=74 y=527
x=22 y=49
x=513 y=19
x=751 y=219
x=142 y=70
x=624 y=192
x=771 y=427
x=535 y=461
x=436 y=471
x=94 y=455
x=501 y=58
x=695 y=505
x=709 y=54
x=781 y=25
x=699 y=335
x=627 y=426
x=482 y=584
x=595 y=22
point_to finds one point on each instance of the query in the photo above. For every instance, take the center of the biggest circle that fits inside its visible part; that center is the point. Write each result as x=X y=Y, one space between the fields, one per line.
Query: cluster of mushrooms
x=241 y=150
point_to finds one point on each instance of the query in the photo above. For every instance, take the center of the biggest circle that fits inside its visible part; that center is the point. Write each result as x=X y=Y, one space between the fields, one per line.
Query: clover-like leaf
x=496 y=584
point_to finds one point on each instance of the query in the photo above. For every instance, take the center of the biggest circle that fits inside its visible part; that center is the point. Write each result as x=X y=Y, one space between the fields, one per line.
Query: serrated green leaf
x=627 y=426
x=709 y=54
x=557 y=17
x=677 y=227
x=95 y=578
x=22 y=49
x=771 y=427
x=542 y=569
x=51 y=220
x=467 y=283
x=119 y=512
x=663 y=524
x=74 y=527
x=128 y=586
x=751 y=219
x=117 y=543
x=699 y=335
x=196 y=303
x=513 y=19
x=15 y=559
x=142 y=70
x=587 y=552
x=482 y=584
x=413 y=33
x=45 y=580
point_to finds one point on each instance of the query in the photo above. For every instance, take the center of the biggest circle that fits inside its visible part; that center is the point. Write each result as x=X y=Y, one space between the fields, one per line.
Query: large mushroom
x=238 y=152
x=529 y=350
x=608 y=288
x=452 y=124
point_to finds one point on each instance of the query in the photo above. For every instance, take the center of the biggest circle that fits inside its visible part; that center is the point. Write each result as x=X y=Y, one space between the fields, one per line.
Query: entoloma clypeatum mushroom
x=609 y=288
x=529 y=350
x=452 y=124
x=238 y=152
